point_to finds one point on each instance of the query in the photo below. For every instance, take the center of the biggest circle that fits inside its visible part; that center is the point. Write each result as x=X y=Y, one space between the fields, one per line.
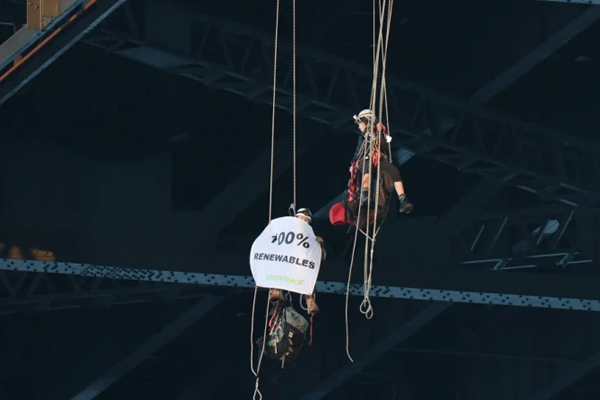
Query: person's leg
x=311 y=304
x=366 y=180
x=405 y=205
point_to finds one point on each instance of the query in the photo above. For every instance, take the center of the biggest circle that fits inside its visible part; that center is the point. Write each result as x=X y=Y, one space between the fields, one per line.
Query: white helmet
x=367 y=114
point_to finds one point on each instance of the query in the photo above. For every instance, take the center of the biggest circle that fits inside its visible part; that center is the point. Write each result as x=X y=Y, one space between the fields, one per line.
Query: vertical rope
x=294 y=95
x=273 y=112
x=366 y=307
x=257 y=395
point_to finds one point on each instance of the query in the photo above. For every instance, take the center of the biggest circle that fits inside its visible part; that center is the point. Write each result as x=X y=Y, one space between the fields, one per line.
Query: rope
x=348 y=292
x=273 y=112
x=257 y=395
x=366 y=307
x=379 y=53
x=294 y=94
x=379 y=49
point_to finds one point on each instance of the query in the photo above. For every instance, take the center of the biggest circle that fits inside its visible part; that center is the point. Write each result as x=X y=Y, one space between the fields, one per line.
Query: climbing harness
x=371 y=151
x=257 y=394
x=286 y=333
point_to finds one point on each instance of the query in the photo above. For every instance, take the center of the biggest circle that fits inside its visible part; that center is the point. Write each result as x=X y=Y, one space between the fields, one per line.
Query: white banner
x=286 y=256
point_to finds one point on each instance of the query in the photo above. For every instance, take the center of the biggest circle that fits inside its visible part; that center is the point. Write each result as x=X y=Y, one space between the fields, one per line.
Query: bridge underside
x=134 y=178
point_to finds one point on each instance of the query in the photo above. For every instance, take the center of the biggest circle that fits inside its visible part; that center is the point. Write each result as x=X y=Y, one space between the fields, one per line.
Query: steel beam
x=24 y=40
x=490 y=90
x=39 y=292
x=228 y=56
x=35 y=58
x=460 y=215
x=565 y=381
x=163 y=337
x=543 y=51
x=547 y=237
x=441 y=283
x=373 y=353
x=594 y=2
x=552 y=237
x=239 y=194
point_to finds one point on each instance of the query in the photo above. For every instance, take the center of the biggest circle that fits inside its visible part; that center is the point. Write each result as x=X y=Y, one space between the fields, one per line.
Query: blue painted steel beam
x=442 y=284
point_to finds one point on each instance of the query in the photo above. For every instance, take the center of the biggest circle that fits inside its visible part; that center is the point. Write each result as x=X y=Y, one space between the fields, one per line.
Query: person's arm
x=358 y=145
x=322 y=243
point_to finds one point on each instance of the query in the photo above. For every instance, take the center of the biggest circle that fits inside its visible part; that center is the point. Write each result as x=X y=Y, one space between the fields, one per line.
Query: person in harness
x=276 y=295
x=286 y=333
x=367 y=122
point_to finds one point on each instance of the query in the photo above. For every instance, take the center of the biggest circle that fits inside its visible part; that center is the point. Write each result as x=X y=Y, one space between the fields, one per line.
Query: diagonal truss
x=373 y=353
x=552 y=237
x=543 y=51
x=448 y=285
x=39 y=292
x=568 y=379
x=240 y=193
x=37 y=51
x=199 y=310
x=490 y=90
x=228 y=56
x=465 y=210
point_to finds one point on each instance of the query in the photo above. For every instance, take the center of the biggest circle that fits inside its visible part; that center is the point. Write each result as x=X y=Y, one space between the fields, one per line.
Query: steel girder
x=442 y=284
x=554 y=237
x=560 y=38
x=371 y=354
x=39 y=292
x=450 y=224
x=594 y=2
x=551 y=237
x=243 y=190
x=228 y=56
x=566 y=380
x=52 y=42
x=490 y=90
x=198 y=311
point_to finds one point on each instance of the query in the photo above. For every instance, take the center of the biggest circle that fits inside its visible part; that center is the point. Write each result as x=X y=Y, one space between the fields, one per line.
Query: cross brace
x=38 y=292
x=514 y=239
x=553 y=236
x=528 y=294
x=229 y=56
x=56 y=38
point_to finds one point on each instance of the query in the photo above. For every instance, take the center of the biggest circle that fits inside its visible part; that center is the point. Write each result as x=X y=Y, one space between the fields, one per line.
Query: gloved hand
x=388 y=138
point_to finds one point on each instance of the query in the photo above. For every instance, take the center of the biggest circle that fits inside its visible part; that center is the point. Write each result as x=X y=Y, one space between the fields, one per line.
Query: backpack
x=285 y=337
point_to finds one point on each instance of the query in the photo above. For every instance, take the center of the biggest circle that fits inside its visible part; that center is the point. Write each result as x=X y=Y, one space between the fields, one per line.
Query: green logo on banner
x=285 y=279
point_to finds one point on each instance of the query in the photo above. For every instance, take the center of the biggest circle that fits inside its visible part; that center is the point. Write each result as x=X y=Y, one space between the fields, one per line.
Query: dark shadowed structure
x=134 y=177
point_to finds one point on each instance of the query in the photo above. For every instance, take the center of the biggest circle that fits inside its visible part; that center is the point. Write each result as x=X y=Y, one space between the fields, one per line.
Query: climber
x=380 y=154
x=277 y=294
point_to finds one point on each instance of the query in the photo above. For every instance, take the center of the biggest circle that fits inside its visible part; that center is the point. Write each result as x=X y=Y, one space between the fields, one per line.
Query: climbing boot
x=405 y=206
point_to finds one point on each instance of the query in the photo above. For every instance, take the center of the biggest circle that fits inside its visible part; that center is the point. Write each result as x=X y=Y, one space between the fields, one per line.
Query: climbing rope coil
x=257 y=395
x=371 y=149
